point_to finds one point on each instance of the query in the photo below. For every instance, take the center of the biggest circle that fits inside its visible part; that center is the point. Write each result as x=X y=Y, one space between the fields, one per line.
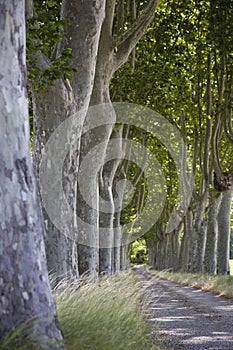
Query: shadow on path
x=188 y=318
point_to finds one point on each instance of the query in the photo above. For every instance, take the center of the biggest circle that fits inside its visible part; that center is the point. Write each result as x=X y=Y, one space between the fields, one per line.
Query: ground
x=187 y=318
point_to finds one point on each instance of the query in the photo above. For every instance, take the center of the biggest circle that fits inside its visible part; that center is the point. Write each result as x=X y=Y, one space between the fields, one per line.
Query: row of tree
x=74 y=48
x=92 y=242
x=109 y=173
x=184 y=71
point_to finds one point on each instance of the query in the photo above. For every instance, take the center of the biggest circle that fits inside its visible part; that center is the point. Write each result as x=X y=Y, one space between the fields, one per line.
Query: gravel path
x=187 y=318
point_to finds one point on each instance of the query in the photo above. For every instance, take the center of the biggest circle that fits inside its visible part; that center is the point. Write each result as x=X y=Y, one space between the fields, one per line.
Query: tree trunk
x=210 y=261
x=198 y=235
x=93 y=150
x=185 y=249
x=56 y=108
x=107 y=213
x=113 y=53
x=173 y=248
x=224 y=233
x=125 y=262
x=106 y=228
x=118 y=228
x=51 y=108
x=24 y=285
x=97 y=136
x=151 y=251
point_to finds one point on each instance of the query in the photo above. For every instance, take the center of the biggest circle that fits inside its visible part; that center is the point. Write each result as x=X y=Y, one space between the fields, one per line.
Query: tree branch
x=106 y=37
x=215 y=156
x=109 y=16
x=125 y=43
x=83 y=39
x=133 y=14
x=208 y=134
x=227 y=117
x=228 y=126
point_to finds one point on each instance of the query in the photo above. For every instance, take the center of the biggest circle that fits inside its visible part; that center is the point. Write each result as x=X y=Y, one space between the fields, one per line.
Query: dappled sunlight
x=188 y=318
x=205 y=340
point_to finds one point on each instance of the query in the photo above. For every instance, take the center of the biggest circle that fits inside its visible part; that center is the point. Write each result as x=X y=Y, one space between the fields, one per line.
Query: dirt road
x=187 y=318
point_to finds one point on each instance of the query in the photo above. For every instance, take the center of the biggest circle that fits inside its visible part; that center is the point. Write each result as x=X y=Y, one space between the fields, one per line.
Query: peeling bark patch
x=8 y=173
x=20 y=218
x=73 y=165
x=25 y=295
x=12 y=33
x=22 y=67
x=23 y=175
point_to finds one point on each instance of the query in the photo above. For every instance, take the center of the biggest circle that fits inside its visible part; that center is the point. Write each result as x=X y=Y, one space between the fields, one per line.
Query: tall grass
x=109 y=315
x=104 y=316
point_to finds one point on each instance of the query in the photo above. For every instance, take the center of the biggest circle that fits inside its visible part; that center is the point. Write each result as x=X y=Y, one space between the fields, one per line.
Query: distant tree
x=183 y=70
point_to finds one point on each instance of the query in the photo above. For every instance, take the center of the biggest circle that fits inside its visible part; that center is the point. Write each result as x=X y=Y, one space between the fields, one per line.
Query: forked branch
x=125 y=43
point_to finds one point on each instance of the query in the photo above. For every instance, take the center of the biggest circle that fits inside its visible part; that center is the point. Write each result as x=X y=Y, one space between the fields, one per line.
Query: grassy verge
x=231 y=266
x=104 y=316
x=221 y=285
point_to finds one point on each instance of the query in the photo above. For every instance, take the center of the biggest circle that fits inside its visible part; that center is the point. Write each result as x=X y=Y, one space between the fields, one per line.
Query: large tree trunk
x=224 y=233
x=56 y=108
x=97 y=135
x=93 y=149
x=52 y=107
x=108 y=211
x=113 y=53
x=24 y=285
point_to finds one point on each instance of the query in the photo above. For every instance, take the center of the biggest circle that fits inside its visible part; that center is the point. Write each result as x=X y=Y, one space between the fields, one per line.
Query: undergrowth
x=108 y=315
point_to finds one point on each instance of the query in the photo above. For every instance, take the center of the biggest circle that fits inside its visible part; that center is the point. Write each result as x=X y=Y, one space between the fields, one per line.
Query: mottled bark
x=119 y=190
x=198 y=234
x=111 y=55
x=104 y=71
x=107 y=213
x=173 y=248
x=151 y=251
x=185 y=249
x=56 y=105
x=93 y=150
x=51 y=108
x=224 y=233
x=118 y=228
x=210 y=261
x=82 y=36
x=25 y=294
